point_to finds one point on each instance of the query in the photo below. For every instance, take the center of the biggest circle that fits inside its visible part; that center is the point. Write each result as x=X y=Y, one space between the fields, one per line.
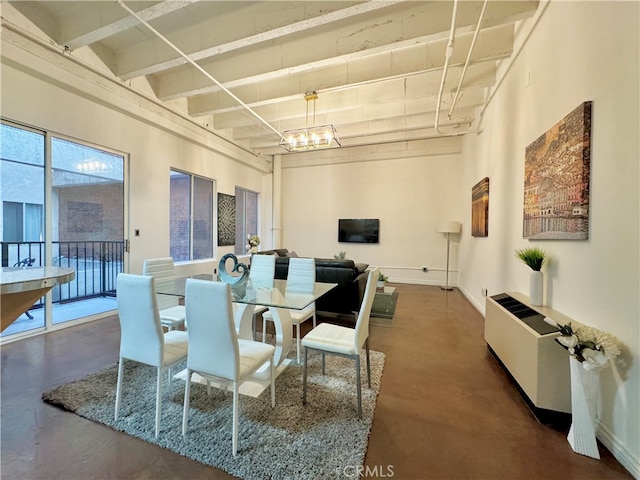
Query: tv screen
x=358 y=230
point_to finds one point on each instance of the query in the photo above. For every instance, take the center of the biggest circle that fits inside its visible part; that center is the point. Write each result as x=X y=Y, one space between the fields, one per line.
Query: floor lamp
x=448 y=228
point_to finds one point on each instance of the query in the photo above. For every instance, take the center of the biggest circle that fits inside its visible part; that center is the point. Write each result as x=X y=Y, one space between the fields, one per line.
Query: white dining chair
x=301 y=278
x=141 y=336
x=162 y=269
x=215 y=351
x=344 y=341
x=262 y=272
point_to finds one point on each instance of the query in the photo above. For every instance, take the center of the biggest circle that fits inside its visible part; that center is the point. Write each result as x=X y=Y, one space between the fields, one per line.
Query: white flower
x=568 y=341
x=593 y=359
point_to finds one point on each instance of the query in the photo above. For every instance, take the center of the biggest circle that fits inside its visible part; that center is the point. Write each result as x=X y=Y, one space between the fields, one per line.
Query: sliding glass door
x=87 y=199
x=63 y=204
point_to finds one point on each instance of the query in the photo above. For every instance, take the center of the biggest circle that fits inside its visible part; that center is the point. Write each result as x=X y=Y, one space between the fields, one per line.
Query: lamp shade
x=449 y=227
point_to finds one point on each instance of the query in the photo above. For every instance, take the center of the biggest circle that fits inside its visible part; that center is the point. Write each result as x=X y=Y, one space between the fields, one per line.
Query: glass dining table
x=275 y=297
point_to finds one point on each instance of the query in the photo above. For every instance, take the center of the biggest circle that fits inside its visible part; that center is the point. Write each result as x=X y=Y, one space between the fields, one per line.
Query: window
x=246 y=218
x=190 y=217
x=22 y=222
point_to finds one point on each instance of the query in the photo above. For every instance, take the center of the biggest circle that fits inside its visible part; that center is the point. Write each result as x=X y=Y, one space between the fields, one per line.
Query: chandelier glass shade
x=310 y=138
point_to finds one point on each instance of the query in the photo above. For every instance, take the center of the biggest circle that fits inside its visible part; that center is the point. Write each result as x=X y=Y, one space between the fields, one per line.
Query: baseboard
x=478 y=306
x=618 y=450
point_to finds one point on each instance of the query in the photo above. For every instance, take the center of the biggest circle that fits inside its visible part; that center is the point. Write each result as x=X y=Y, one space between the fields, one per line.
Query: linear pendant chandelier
x=310 y=138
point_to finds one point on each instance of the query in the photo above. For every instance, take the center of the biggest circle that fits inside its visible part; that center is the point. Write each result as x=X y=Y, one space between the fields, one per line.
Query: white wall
x=410 y=196
x=579 y=51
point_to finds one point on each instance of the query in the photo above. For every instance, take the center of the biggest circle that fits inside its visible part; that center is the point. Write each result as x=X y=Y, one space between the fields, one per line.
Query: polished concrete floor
x=446 y=409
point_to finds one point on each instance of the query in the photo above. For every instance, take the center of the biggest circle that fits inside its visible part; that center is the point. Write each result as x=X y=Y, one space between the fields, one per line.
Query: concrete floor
x=446 y=409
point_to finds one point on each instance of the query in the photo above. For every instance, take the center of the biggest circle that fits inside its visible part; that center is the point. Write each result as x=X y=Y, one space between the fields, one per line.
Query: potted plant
x=534 y=258
x=382 y=279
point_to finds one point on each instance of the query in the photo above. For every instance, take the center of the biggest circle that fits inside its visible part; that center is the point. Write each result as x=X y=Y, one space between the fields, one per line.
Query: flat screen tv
x=358 y=230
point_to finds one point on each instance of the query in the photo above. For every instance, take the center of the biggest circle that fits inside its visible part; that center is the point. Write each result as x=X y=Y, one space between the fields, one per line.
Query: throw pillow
x=361 y=267
x=292 y=254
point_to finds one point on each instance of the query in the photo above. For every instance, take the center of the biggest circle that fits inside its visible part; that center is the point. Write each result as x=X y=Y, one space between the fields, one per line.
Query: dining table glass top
x=277 y=296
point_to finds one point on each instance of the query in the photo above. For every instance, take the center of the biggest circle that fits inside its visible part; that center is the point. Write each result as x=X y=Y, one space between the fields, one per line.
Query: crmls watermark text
x=375 y=471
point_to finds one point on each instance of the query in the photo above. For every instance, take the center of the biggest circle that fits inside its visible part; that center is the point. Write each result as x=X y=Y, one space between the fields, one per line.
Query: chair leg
x=235 y=418
x=366 y=345
x=298 y=344
x=358 y=386
x=304 y=376
x=314 y=320
x=254 y=319
x=158 y=402
x=185 y=411
x=119 y=386
x=323 y=363
x=264 y=330
x=273 y=382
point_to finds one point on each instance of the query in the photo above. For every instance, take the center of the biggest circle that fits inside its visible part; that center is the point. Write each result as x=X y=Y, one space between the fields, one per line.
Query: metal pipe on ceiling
x=198 y=67
x=468 y=60
x=448 y=55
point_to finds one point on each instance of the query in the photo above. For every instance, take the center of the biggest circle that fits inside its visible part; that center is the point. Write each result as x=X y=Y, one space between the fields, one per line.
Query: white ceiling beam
x=397 y=93
x=304 y=54
x=351 y=75
x=85 y=26
x=137 y=65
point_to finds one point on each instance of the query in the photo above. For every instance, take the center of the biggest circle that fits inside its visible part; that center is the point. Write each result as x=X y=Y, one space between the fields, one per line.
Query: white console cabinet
x=536 y=361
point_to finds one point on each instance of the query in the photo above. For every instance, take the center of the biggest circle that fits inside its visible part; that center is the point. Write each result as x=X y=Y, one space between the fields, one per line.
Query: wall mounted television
x=358 y=230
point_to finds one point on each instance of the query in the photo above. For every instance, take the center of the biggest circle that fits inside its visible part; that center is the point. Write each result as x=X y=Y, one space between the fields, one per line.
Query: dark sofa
x=350 y=277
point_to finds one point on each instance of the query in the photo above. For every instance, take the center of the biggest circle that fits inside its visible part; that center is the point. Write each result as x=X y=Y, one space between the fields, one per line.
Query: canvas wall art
x=480 y=208
x=226 y=219
x=556 y=180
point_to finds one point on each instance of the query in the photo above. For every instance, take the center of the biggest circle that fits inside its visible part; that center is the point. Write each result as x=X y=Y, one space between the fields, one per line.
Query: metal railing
x=96 y=263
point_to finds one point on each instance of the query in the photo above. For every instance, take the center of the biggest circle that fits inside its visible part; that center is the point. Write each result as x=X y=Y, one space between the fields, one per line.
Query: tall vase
x=536 y=281
x=585 y=386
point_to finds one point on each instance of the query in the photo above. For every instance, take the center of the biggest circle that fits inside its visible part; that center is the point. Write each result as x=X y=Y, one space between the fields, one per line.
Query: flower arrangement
x=253 y=243
x=533 y=257
x=590 y=346
x=382 y=277
x=340 y=256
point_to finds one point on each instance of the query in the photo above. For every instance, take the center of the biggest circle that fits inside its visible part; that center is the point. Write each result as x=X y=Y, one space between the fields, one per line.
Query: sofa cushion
x=361 y=267
x=280 y=252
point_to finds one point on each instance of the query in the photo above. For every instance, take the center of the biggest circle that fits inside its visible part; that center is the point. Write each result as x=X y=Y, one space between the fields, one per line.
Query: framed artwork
x=556 y=180
x=480 y=208
x=226 y=219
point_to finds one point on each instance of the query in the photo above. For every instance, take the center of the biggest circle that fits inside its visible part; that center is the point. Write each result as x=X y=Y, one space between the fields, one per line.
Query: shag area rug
x=321 y=440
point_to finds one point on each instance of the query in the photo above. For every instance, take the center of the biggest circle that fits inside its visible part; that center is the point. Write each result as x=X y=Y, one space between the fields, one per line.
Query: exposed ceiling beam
x=136 y=65
x=84 y=27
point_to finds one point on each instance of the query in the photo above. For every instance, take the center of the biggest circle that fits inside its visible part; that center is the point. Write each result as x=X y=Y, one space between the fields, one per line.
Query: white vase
x=585 y=387
x=536 y=281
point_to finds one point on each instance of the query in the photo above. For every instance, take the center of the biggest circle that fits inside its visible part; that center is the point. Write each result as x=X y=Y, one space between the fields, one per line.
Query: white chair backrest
x=362 y=324
x=213 y=341
x=141 y=337
x=262 y=271
x=162 y=270
x=301 y=276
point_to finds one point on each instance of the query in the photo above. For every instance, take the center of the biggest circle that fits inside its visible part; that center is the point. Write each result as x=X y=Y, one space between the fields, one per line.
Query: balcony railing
x=96 y=263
